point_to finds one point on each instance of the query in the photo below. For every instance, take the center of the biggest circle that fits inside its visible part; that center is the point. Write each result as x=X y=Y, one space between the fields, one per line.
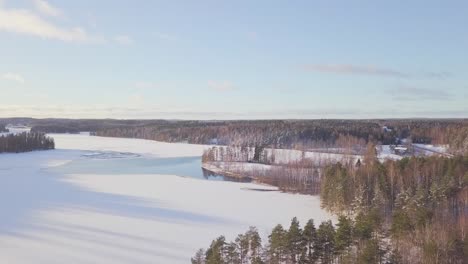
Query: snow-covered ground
x=286 y=156
x=15 y=130
x=432 y=149
x=98 y=216
x=386 y=152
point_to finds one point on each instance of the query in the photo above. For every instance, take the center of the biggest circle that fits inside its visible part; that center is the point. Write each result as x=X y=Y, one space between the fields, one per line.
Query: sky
x=272 y=59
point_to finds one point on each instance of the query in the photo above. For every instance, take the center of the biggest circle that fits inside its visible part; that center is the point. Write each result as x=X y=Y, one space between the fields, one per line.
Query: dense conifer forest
x=410 y=211
x=24 y=142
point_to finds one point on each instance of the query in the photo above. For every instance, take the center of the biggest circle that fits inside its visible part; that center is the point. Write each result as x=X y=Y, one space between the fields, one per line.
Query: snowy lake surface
x=113 y=200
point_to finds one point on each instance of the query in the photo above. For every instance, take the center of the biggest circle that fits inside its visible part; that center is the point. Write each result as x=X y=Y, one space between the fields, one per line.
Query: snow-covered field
x=111 y=215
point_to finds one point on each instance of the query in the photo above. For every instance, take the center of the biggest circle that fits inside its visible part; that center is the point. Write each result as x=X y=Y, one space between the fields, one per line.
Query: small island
x=25 y=142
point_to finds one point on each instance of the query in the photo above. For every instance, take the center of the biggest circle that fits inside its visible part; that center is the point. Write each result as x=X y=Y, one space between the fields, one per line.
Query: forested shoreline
x=302 y=134
x=291 y=134
x=25 y=142
x=295 y=172
x=414 y=210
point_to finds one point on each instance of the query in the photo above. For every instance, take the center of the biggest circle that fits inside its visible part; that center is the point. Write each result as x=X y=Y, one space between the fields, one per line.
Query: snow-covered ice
x=99 y=200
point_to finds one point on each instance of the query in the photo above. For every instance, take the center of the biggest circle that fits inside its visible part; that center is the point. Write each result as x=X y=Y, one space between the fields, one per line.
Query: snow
x=13 y=129
x=220 y=166
x=385 y=152
x=130 y=145
x=285 y=156
x=433 y=149
x=288 y=155
x=50 y=215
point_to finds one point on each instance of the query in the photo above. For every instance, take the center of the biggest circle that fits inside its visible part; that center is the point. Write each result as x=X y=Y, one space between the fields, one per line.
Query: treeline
x=3 y=128
x=302 y=134
x=348 y=242
x=25 y=142
x=80 y=125
x=63 y=125
x=296 y=134
x=269 y=133
x=422 y=201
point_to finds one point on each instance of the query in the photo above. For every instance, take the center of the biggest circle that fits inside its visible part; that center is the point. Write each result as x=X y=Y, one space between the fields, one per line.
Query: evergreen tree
x=243 y=244
x=295 y=241
x=232 y=253
x=325 y=246
x=371 y=252
x=363 y=227
x=401 y=223
x=255 y=243
x=199 y=257
x=310 y=239
x=344 y=236
x=277 y=241
x=215 y=253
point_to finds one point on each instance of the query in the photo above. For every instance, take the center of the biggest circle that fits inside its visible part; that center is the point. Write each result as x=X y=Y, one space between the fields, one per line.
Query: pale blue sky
x=233 y=59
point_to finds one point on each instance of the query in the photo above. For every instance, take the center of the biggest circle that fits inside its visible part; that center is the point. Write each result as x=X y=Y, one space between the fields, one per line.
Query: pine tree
x=232 y=253
x=215 y=253
x=371 y=252
x=242 y=242
x=325 y=246
x=363 y=227
x=295 y=242
x=199 y=257
x=255 y=243
x=343 y=237
x=310 y=238
x=277 y=241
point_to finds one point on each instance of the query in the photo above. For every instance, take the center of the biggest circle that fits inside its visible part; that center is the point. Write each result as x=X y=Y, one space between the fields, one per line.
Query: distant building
x=387 y=129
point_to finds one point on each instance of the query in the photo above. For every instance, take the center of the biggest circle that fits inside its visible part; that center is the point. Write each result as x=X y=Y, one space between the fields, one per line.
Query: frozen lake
x=111 y=200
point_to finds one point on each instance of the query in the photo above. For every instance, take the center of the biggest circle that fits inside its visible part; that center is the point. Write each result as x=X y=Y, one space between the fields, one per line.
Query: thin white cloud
x=13 y=77
x=354 y=69
x=124 y=40
x=145 y=85
x=221 y=86
x=25 y=22
x=47 y=9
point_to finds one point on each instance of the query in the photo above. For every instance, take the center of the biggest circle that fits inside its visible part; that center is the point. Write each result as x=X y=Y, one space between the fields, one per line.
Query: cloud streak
x=351 y=69
x=13 y=77
x=25 y=22
x=47 y=9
